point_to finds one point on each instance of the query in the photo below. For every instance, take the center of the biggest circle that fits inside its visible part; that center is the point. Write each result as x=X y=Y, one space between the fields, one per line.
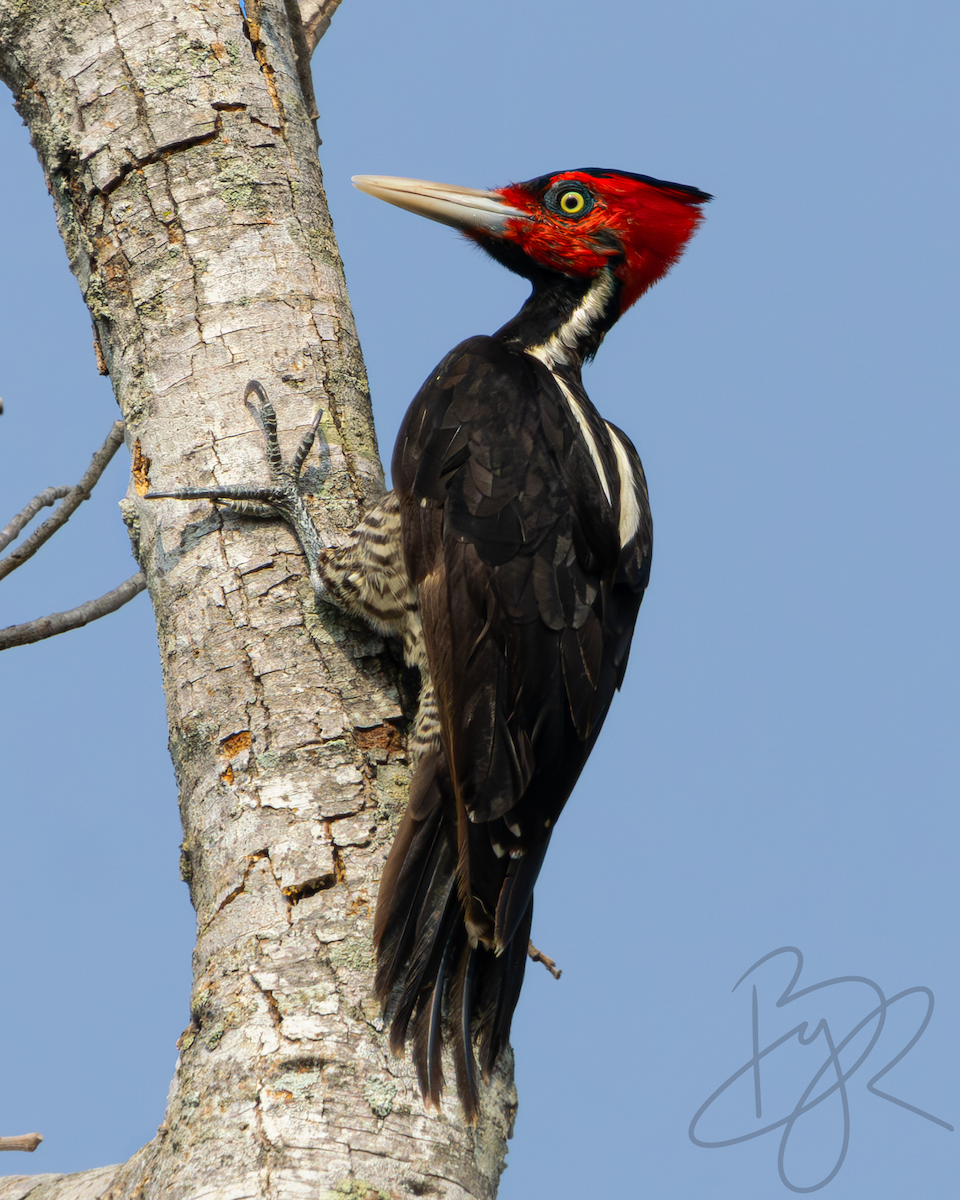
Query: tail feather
x=429 y=952
x=499 y=997
x=429 y=970
x=402 y=872
x=427 y=1038
x=461 y=1014
x=414 y=858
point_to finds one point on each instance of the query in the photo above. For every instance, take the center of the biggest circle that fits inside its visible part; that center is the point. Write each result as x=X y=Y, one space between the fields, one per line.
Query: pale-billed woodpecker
x=510 y=558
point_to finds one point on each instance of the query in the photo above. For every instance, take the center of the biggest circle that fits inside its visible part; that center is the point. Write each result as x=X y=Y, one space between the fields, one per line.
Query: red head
x=572 y=223
x=577 y=222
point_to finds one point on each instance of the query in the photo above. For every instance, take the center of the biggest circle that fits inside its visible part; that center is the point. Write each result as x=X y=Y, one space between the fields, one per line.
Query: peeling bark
x=178 y=145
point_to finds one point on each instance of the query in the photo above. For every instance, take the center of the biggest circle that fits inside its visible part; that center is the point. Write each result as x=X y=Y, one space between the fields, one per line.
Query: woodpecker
x=510 y=558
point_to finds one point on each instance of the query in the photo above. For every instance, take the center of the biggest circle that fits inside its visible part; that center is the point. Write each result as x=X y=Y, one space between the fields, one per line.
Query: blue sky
x=781 y=768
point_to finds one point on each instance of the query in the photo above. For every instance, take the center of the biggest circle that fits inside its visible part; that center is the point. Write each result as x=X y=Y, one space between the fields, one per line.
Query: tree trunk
x=178 y=146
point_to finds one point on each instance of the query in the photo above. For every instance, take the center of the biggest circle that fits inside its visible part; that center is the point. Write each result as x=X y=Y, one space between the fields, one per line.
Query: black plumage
x=528 y=603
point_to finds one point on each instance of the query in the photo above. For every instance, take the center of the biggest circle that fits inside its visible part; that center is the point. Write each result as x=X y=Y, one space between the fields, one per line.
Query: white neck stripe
x=562 y=347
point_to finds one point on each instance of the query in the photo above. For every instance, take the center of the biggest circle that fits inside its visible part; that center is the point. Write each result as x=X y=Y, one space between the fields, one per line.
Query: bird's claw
x=283 y=498
x=283 y=474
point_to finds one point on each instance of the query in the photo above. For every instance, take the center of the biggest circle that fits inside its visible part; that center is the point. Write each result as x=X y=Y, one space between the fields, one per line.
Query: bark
x=179 y=149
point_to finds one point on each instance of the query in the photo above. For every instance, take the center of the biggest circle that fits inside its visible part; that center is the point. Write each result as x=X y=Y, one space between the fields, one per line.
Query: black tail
x=428 y=973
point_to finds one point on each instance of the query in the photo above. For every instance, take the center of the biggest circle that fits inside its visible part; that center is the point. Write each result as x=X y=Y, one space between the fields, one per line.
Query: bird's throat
x=565 y=320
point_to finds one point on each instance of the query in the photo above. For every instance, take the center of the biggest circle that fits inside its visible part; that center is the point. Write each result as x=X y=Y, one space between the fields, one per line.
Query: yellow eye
x=572 y=203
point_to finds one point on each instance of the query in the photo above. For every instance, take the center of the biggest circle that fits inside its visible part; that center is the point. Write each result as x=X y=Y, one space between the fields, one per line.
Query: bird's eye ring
x=568 y=200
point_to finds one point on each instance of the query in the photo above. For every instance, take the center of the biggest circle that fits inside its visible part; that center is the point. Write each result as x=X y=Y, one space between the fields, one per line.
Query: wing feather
x=528 y=602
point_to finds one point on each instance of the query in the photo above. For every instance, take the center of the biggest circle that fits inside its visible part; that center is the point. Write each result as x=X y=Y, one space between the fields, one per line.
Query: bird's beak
x=466 y=209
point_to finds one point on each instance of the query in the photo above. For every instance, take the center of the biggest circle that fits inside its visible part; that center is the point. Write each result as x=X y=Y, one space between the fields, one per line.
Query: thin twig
x=74 y=498
x=44 y=627
x=47 y=497
x=536 y=956
x=26 y=1141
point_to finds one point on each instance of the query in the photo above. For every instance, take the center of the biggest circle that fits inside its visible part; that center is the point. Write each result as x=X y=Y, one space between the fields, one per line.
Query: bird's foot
x=282 y=498
x=537 y=956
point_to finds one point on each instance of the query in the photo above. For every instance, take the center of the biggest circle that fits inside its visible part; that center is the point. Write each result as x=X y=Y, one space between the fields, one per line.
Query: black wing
x=510 y=510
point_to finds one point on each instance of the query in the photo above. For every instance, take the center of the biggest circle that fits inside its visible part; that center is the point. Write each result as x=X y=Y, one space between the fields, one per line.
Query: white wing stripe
x=629 y=505
x=581 y=419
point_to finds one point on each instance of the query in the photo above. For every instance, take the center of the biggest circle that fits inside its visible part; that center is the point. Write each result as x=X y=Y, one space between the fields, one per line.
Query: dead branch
x=49 y=496
x=316 y=15
x=71 y=502
x=74 y=618
x=26 y=1141
x=533 y=953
